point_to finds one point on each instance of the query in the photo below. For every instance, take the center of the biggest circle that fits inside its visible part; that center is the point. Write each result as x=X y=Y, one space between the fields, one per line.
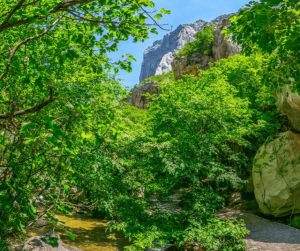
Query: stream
x=90 y=234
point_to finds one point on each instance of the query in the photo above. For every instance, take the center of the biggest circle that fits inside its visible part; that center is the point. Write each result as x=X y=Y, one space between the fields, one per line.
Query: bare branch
x=150 y=16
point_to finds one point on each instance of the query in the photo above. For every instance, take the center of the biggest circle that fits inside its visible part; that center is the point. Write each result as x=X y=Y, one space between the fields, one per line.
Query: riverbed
x=90 y=234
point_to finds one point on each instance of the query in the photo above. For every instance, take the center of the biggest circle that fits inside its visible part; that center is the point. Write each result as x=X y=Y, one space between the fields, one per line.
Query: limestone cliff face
x=221 y=48
x=137 y=97
x=158 y=58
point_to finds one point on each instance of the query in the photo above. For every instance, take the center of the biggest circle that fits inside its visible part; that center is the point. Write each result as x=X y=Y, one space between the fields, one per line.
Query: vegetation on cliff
x=159 y=78
x=203 y=40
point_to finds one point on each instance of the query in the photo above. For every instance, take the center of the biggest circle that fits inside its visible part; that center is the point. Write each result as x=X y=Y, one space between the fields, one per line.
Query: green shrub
x=203 y=40
x=159 y=78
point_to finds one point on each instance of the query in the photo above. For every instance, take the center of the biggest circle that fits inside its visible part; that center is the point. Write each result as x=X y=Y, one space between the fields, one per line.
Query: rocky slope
x=137 y=97
x=221 y=48
x=158 y=57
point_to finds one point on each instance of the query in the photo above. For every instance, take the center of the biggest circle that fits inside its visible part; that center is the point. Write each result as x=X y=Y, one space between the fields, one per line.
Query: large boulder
x=289 y=104
x=276 y=175
x=37 y=244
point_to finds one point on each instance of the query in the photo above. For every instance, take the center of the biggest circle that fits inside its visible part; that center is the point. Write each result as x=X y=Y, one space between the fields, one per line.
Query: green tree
x=273 y=26
x=57 y=98
x=175 y=162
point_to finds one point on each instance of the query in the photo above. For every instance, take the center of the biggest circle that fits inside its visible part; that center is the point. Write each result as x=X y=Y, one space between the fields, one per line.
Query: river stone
x=276 y=175
x=36 y=244
x=289 y=104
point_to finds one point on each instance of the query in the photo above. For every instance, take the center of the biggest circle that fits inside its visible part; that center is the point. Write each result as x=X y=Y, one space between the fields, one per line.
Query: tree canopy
x=273 y=26
x=160 y=175
x=57 y=95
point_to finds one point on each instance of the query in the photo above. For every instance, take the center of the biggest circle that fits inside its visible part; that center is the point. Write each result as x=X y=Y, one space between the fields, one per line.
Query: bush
x=159 y=78
x=202 y=42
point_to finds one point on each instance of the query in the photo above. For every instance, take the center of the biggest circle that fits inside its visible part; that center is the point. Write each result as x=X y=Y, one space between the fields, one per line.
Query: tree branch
x=102 y=22
x=288 y=23
x=56 y=9
x=10 y=14
x=30 y=110
x=150 y=16
x=14 y=50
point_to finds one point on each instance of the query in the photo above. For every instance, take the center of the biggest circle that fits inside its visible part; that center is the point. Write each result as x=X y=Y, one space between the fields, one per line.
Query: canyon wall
x=159 y=57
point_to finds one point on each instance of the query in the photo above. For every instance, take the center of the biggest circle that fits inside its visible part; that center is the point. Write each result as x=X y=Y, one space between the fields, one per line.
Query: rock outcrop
x=37 y=244
x=183 y=66
x=276 y=175
x=137 y=97
x=221 y=48
x=289 y=104
x=158 y=58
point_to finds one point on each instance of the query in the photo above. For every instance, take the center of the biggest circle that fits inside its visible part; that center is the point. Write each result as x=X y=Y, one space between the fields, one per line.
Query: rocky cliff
x=137 y=97
x=158 y=57
x=220 y=48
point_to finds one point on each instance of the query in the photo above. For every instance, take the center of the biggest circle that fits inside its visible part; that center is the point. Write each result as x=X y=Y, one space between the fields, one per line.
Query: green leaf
x=53 y=241
x=39 y=82
x=163 y=10
x=72 y=236
x=158 y=16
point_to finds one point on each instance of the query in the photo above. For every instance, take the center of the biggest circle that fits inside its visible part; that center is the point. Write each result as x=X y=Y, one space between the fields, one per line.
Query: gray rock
x=276 y=173
x=265 y=235
x=289 y=103
x=36 y=244
x=137 y=97
x=221 y=48
x=158 y=57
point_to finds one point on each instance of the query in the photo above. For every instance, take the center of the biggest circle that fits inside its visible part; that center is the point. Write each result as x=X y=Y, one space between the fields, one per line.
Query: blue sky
x=183 y=12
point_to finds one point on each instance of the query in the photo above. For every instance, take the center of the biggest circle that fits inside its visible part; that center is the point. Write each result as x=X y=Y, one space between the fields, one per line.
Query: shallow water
x=90 y=234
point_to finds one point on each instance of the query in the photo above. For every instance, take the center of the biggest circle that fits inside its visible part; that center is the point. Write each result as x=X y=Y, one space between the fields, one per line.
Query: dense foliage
x=174 y=163
x=273 y=26
x=160 y=175
x=202 y=43
x=57 y=99
x=159 y=78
